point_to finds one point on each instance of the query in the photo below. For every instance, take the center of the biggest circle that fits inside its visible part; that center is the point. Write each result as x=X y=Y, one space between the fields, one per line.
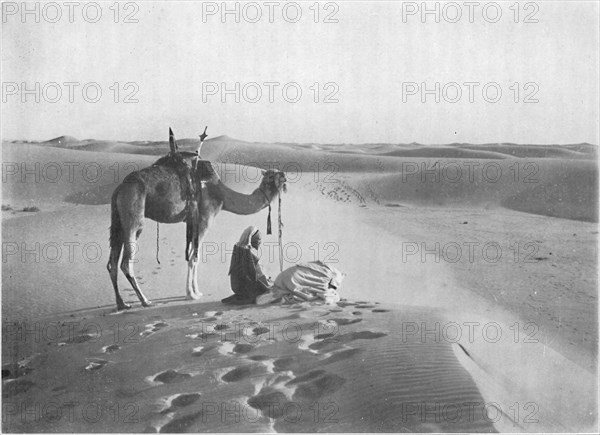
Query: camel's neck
x=238 y=203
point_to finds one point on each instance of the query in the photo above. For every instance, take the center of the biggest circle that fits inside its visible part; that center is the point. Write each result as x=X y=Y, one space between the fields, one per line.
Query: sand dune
x=294 y=369
x=305 y=367
x=385 y=203
x=550 y=187
x=447 y=153
x=57 y=173
x=62 y=141
x=454 y=150
x=120 y=147
x=581 y=151
x=556 y=188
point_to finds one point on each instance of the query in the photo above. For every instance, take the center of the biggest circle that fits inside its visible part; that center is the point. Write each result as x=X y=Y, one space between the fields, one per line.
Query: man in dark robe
x=247 y=278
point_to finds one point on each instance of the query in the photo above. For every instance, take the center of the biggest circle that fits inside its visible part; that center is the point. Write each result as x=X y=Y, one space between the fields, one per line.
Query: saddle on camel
x=191 y=175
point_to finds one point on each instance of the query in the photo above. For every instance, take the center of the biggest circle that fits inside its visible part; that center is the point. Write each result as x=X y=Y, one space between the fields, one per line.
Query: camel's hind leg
x=129 y=248
x=130 y=203
x=116 y=246
x=113 y=270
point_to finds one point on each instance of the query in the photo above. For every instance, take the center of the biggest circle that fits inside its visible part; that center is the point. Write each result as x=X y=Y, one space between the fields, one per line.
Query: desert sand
x=471 y=294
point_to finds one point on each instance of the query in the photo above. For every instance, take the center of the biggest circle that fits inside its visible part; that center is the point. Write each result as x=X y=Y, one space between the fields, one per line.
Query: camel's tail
x=116 y=228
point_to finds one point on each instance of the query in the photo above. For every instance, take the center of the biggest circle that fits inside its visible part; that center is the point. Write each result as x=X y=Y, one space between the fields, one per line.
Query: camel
x=161 y=193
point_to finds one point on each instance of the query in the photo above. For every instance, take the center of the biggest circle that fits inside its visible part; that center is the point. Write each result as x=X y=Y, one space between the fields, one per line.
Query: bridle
x=279 y=225
x=269 y=204
x=266 y=196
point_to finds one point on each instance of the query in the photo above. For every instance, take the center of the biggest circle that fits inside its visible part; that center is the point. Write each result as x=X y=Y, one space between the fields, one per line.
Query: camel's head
x=273 y=182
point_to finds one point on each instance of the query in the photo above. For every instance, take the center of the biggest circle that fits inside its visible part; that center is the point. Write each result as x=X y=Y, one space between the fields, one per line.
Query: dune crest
x=62 y=141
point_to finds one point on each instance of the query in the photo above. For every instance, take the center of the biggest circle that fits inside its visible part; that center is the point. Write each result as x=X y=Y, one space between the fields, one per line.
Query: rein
x=157 y=244
x=279 y=226
x=269 y=216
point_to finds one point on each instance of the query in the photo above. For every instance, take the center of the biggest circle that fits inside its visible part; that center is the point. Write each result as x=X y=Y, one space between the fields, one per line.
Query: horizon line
x=303 y=143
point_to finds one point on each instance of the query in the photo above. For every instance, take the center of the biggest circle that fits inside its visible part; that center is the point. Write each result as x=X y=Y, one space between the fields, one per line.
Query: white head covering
x=247 y=237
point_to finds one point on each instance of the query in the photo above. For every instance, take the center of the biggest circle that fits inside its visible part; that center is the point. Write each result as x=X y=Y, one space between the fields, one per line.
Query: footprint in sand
x=310 y=386
x=317 y=384
x=294 y=363
x=380 y=310
x=366 y=335
x=171 y=377
x=178 y=401
x=96 y=364
x=260 y=330
x=198 y=351
x=365 y=306
x=211 y=316
x=357 y=313
x=151 y=328
x=324 y=336
x=344 y=322
x=270 y=402
x=202 y=350
x=236 y=374
x=242 y=348
x=243 y=372
x=180 y=424
x=83 y=338
x=111 y=349
x=260 y=358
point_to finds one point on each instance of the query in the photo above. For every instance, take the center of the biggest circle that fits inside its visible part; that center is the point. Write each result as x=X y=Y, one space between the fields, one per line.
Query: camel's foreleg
x=192 y=290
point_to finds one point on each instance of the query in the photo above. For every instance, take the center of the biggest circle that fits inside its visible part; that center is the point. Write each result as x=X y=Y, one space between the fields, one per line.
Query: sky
x=341 y=72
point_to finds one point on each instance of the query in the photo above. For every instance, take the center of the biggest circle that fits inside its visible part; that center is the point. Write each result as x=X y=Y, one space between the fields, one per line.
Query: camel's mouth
x=276 y=180
x=282 y=182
